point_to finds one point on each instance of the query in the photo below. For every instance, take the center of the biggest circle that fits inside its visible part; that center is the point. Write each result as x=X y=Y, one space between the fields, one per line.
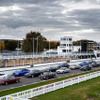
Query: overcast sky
x=53 y=18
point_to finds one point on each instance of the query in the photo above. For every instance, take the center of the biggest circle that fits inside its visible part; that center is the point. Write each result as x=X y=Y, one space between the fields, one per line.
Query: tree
x=10 y=44
x=2 y=46
x=27 y=44
x=53 y=44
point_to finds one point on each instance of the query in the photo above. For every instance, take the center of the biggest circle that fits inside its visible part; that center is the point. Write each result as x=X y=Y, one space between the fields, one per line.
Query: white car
x=2 y=75
x=78 y=66
x=73 y=67
x=63 y=70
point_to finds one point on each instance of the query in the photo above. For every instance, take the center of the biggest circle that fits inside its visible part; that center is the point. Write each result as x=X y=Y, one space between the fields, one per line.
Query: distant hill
x=9 y=40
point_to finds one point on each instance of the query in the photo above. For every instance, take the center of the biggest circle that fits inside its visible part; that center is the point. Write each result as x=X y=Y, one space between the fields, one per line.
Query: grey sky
x=53 y=18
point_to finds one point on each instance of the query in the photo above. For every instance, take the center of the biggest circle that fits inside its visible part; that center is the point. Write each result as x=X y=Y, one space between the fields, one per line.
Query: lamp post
x=49 y=53
x=37 y=45
x=80 y=49
x=0 y=46
x=33 y=54
x=18 y=48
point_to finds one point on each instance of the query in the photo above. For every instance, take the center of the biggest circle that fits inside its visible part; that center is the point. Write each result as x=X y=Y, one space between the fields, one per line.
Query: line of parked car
x=84 y=66
x=46 y=73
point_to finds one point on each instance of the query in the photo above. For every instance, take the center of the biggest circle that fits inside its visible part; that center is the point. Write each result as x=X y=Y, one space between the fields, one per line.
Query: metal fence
x=42 y=55
x=24 y=95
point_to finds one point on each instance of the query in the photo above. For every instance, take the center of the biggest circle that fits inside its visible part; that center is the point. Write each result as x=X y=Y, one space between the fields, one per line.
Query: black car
x=95 y=64
x=51 y=69
x=86 y=67
x=47 y=75
x=91 y=61
x=63 y=65
x=33 y=73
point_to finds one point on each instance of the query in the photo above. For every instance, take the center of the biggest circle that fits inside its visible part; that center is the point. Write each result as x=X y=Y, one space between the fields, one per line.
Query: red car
x=9 y=79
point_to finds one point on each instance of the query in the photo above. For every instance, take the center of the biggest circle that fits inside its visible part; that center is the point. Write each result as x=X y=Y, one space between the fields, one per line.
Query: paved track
x=26 y=81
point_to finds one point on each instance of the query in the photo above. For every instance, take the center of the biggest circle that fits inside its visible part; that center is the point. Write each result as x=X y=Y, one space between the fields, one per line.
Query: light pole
x=37 y=45
x=0 y=46
x=18 y=48
x=33 y=53
x=49 y=53
x=80 y=49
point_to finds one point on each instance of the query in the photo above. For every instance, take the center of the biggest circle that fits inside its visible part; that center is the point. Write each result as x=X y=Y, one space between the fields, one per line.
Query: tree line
x=33 y=41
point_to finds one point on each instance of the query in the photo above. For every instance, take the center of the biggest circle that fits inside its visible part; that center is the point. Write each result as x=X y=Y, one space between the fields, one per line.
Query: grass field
x=88 y=90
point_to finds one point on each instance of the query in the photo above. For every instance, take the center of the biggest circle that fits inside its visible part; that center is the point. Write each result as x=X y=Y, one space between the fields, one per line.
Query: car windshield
x=22 y=70
x=9 y=77
x=63 y=68
x=46 y=73
x=32 y=71
x=51 y=68
x=73 y=65
x=1 y=78
x=2 y=74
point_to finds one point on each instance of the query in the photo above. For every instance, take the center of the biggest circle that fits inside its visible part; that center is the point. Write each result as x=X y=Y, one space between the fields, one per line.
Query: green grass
x=88 y=90
x=7 y=92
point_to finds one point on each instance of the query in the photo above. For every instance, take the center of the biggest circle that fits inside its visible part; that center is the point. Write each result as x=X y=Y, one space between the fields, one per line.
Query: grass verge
x=88 y=90
x=19 y=89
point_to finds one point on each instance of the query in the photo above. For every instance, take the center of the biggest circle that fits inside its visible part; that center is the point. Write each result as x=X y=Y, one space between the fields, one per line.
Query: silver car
x=63 y=70
x=3 y=75
x=73 y=67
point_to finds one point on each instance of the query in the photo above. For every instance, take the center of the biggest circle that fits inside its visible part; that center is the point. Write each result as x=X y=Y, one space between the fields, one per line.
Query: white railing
x=42 y=56
x=24 y=95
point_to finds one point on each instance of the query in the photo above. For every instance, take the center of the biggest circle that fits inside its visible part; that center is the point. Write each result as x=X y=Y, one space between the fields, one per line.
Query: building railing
x=43 y=55
x=24 y=95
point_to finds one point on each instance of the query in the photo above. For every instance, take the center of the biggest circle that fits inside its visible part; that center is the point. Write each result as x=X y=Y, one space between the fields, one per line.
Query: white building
x=66 y=46
x=76 y=48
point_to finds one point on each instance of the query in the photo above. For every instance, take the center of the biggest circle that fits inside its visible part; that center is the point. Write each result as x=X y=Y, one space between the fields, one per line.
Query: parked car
x=86 y=67
x=33 y=73
x=9 y=79
x=63 y=65
x=73 y=67
x=2 y=76
x=91 y=61
x=52 y=69
x=82 y=64
x=63 y=70
x=95 y=64
x=47 y=75
x=21 y=72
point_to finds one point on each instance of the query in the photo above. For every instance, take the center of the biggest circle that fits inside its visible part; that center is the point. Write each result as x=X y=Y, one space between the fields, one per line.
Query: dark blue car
x=83 y=63
x=21 y=72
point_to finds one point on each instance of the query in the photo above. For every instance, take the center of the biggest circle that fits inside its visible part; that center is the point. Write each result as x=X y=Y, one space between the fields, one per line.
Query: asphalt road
x=25 y=81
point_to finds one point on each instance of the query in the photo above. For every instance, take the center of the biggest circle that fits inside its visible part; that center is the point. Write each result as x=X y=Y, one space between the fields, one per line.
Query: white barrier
x=24 y=95
x=41 y=56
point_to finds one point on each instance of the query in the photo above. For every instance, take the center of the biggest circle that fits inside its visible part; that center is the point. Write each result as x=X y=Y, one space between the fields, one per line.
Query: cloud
x=53 y=18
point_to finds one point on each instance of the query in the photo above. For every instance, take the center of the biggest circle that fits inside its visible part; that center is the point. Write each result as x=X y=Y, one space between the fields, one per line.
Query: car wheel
x=6 y=83
x=41 y=78
x=14 y=75
x=63 y=72
x=54 y=76
x=32 y=76
x=17 y=81
x=46 y=78
x=19 y=75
